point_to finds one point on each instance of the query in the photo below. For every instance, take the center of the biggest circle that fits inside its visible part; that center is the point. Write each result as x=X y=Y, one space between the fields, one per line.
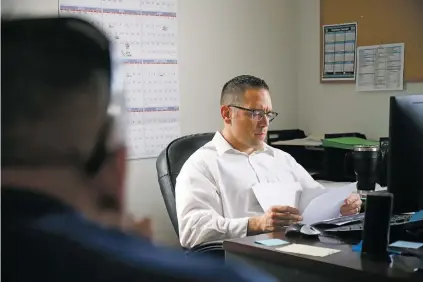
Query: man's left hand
x=140 y=227
x=352 y=205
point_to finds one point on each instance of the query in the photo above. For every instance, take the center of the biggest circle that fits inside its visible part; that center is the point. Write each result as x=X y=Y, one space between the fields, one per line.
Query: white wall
x=218 y=39
x=318 y=104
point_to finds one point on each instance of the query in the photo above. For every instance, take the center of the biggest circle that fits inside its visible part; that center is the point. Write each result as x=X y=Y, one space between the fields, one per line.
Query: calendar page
x=145 y=35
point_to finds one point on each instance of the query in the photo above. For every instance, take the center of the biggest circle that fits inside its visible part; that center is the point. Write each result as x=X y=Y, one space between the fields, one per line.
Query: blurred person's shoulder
x=45 y=240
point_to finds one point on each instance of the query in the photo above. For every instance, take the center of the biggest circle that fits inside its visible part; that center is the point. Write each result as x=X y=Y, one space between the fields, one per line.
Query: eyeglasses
x=258 y=115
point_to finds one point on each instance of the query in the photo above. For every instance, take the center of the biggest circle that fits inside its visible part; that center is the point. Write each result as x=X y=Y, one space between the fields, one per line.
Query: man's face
x=246 y=128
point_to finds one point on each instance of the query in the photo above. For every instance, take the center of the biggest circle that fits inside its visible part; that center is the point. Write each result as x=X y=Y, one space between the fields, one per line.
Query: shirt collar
x=223 y=146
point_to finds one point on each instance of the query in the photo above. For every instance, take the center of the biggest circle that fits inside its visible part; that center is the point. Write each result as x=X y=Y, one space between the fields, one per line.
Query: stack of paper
x=324 y=204
x=308 y=141
x=327 y=205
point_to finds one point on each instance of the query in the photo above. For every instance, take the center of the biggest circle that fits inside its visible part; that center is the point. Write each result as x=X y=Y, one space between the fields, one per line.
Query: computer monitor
x=405 y=155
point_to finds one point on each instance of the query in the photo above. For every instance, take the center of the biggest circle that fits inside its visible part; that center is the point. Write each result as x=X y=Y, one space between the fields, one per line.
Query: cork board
x=381 y=22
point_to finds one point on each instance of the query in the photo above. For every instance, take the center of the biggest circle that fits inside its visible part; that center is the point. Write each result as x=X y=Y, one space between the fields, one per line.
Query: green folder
x=347 y=142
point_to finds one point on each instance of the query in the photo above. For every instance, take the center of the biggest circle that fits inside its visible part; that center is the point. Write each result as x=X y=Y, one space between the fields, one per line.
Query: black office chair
x=169 y=164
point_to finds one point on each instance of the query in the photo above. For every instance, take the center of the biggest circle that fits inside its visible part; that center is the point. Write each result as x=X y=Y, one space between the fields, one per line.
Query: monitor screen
x=405 y=155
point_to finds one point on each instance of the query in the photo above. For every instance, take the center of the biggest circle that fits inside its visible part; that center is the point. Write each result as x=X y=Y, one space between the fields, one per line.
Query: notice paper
x=277 y=194
x=327 y=205
x=307 y=250
x=380 y=67
x=339 y=42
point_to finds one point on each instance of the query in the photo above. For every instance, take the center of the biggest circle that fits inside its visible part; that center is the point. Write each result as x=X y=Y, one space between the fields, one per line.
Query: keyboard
x=339 y=221
x=342 y=226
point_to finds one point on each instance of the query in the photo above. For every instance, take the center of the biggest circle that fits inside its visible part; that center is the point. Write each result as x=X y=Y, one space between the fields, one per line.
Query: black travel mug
x=365 y=167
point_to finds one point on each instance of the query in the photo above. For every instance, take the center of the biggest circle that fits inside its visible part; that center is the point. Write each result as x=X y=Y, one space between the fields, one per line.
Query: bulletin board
x=381 y=22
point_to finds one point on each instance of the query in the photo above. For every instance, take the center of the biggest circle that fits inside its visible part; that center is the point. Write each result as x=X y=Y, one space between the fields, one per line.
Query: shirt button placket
x=250 y=161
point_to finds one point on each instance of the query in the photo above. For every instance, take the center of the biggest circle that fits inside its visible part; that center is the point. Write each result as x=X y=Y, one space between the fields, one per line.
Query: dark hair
x=46 y=63
x=233 y=91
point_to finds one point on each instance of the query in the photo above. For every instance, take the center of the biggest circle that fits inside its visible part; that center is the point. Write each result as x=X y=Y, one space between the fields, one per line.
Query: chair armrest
x=213 y=249
x=208 y=247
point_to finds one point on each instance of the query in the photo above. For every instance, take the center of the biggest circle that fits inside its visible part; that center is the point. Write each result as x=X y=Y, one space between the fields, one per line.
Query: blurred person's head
x=246 y=110
x=57 y=135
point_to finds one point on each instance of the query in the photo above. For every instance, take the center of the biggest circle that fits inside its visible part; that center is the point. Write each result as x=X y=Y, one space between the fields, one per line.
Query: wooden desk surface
x=344 y=265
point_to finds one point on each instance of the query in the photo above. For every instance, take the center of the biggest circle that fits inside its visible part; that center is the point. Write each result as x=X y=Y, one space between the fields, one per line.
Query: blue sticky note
x=417 y=216
x=272 y=242
x=357 y=248
x=405 y=244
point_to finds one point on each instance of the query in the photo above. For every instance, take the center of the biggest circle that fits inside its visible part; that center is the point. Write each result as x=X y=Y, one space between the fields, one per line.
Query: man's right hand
x=274 y=219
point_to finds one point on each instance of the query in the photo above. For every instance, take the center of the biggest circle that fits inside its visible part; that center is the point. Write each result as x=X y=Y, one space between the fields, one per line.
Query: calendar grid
x=145 y=33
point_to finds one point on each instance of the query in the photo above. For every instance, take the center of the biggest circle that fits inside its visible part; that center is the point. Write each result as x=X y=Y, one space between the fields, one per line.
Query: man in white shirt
x=214 y=190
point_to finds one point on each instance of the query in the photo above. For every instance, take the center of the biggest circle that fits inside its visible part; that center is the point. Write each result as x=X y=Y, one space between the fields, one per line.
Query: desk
x=343 y=266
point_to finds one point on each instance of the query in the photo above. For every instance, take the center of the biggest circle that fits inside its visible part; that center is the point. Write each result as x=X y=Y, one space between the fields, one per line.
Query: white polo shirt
x=214 y=196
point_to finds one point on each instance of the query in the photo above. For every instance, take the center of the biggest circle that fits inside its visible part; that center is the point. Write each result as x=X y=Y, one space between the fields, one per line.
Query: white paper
x=308 y=141
x=145 y=35
x=328 y=204
x=307 y=250
x=380 y=67
x=339 y=47
x=277 y=194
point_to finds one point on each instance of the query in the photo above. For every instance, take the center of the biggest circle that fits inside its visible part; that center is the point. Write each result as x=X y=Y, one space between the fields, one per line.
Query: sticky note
x=307 y=250
x=272 y=242
x=405 y=244
x=417 y=216
x=357 y=248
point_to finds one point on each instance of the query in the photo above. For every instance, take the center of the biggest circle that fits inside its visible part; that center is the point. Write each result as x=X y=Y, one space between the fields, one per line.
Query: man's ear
x=225 y=112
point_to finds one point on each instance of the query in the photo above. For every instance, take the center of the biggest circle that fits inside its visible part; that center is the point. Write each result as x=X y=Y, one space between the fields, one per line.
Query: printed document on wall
x=145 y=35
x=339 y=51
x=380 y=67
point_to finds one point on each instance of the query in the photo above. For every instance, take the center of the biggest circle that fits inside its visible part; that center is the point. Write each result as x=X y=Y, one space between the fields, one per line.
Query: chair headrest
x=182 y=148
